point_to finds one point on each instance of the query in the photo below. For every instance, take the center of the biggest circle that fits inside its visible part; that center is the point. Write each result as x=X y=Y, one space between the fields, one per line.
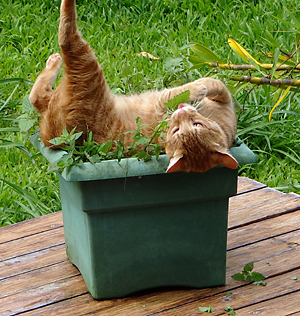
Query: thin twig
x=291 y=56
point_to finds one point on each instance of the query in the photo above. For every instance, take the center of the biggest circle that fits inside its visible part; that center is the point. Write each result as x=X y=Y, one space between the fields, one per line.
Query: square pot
x=129 y=226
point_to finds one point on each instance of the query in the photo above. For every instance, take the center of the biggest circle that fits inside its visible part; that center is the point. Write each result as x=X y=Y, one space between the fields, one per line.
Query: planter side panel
x=148 y=247
x=132 y=234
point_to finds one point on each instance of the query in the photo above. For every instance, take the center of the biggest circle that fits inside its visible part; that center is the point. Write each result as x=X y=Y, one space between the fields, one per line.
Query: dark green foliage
x=248 y=276
x=142 y=147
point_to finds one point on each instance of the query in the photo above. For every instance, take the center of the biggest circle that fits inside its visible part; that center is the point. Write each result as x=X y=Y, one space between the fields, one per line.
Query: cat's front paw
x=198 y=91
x=54 y=61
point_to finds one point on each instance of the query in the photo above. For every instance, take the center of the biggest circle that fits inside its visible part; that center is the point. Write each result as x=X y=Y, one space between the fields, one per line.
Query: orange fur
x=83 y=100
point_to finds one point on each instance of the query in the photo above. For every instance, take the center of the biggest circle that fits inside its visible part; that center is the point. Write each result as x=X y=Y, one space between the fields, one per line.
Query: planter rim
x=127 y=167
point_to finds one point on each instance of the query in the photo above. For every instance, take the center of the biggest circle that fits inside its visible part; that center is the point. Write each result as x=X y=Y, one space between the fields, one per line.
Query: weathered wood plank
x=30 y=227
x=32 y=261
x=279 y=306
x=31 y=243
x=246 y=185
x=286 y=258
x=84 y=305
x=36 y=278
x=271 y=256
x=185 y=302
x=262 y=230
x=47 y=294
x=259 y=205
x=245 y=296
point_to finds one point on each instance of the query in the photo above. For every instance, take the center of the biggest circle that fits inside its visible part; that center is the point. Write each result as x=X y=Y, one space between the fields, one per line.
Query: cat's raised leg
x=41 y=92
x=81 y=64
x=83 y=78
x=216 y=90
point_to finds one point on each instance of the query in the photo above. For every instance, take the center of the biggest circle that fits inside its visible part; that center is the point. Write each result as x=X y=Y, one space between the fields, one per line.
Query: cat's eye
x=175 y=130
x=198 y=124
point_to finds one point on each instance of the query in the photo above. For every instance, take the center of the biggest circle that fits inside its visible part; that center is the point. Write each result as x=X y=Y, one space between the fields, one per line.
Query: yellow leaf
x=281 y=98
x=281 y=57
x=240 y=51
x=145 y=54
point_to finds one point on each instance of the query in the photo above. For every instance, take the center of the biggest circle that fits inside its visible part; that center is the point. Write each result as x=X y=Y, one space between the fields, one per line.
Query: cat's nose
x=181 y=105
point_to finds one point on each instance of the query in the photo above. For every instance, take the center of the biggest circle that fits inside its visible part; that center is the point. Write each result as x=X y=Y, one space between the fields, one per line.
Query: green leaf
x=142 y=155
x=26 y=124
x=294 y=278
x=256 y=276
x=56 y=141
x=238 y=277
x=26 y=105
x=142 y=140
x=195 y=60
x=249 y=267
x=248 y=278
x=182 y=97
x=227 y=294
x=205 y=54
x=96 y=158
x=206 y=309
x=171 y=63
x=157 y=150
x=104 y=148
x=229 y=311
x=260 y=283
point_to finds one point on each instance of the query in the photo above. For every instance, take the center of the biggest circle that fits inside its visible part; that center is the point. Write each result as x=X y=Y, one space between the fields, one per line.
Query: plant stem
x=258 y=81
x=251 y=67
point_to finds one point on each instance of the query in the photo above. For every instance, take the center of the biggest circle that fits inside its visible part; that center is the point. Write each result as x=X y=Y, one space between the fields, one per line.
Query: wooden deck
x=36 y=277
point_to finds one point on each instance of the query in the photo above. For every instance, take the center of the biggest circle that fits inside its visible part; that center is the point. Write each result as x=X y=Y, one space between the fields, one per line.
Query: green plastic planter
x=129 y=226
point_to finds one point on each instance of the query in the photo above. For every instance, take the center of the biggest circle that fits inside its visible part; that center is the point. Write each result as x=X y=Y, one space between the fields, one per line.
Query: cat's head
x=196 y=143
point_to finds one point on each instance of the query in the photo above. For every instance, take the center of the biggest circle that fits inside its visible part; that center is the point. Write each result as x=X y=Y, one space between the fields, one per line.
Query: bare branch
x=258 y=81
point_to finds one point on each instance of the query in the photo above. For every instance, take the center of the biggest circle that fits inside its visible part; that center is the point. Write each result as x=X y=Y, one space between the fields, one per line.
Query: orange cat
x=195 y=141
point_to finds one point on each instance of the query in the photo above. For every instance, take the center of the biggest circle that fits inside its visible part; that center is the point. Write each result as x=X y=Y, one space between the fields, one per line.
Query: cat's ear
x=226 y=160
x=176 y=163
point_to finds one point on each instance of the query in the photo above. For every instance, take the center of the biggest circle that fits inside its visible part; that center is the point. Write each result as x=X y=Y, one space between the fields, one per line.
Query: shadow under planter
x=129 y=226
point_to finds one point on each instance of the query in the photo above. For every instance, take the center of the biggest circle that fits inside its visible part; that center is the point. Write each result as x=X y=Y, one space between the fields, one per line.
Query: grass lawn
x=118 y=31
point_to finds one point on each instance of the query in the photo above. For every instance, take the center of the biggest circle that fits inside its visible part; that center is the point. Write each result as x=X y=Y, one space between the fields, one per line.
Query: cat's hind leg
x=41 y=92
